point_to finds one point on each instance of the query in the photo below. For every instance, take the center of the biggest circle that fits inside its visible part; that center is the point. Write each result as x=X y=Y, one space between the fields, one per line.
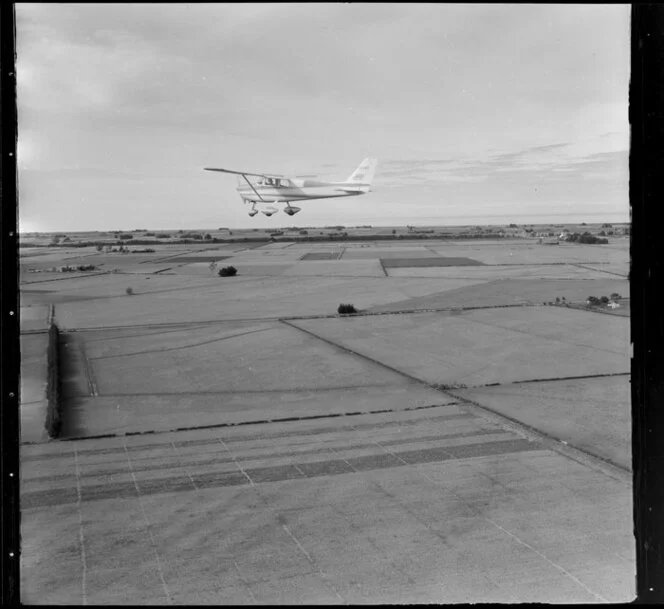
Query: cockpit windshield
x=274 y=182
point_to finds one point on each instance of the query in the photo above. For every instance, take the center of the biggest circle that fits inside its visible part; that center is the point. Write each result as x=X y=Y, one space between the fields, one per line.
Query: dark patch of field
x=428 y=262
x=321 y=256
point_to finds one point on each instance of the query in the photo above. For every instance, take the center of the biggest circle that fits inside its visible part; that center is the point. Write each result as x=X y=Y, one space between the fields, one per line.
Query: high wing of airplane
x=274 y=188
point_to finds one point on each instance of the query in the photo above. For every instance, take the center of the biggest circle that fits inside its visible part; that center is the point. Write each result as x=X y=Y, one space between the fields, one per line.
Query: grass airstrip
x=464 y=438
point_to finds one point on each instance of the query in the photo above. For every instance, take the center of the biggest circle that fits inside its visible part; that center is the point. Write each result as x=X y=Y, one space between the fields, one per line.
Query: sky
x=478 y=114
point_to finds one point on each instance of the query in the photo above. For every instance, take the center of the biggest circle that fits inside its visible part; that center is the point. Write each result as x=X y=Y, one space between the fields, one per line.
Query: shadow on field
x=74 y=385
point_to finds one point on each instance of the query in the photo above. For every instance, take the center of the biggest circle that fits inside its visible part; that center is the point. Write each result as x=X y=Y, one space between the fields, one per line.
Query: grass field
x=233 y=440
x=243 y=357
x=487 y=346
x=591 y=414
x=502 y=292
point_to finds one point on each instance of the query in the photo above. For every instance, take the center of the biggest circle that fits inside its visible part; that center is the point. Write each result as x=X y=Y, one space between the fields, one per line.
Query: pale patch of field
x=199 y=268
x=121 y=343
x=260 y=268
x=530 y=252
x=275 y=357
x=393 y=252
x=147 y=269
x=254 y=257
x=158 y=412
x=497 y=272
x=33 y=317
x=533 y=253
x=618 y=268
x=33 y=397
x=512 y=291
x=226 y=298
x=113 y=284
x=45 y=279
x=278 y=245
x=330 y=268
x=591 y=414
x=488 y=346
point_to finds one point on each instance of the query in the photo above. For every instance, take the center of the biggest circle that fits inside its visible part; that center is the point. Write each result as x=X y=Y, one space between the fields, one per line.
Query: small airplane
x=272 y=188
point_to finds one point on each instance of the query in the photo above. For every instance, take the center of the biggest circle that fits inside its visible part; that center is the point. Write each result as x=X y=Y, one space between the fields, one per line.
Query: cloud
x=470 y=101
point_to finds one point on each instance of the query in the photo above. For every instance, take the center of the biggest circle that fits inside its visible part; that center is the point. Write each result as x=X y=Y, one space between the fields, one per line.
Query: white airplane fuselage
x=282 y=189
x=300 y=190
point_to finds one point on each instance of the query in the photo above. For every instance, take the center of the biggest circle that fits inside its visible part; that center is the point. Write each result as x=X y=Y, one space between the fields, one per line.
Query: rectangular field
x=397 y=263
x=502 y=292
x=487 y=346
x=591 y=414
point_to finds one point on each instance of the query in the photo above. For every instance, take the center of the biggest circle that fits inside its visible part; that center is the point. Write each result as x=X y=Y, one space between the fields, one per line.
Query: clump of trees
x=228 y=271
x=586 y=238
x=163 y=236
x=593 y=301
x=129 y=291
x=445 y=386
x=346 y=309
x=73 y=268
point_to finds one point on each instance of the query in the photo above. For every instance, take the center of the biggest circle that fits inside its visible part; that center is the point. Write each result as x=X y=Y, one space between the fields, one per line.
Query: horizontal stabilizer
x=353 y=190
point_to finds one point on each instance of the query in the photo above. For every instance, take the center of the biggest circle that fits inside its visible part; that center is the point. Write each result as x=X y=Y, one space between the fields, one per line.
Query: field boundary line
x=312 y=417
x=89 y=372
x=356 y=353
x=508 y=422
x=603 y=464
x=583 y=266
x=69 y=277
x=568 y=378
x=458 y=309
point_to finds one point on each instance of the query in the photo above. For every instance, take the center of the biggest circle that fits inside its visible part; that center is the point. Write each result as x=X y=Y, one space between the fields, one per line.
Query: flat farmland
x=33 y=386
x=182 y=298
x=144 y=412
x=234 y=441
x=487 y=346
x=106 y=287
x=232 y=359
x=591 y=414
x=518 y=252
x=340 y=268
x=502 y=292
x=550 y=271
x=392 y=252
x=147 y=380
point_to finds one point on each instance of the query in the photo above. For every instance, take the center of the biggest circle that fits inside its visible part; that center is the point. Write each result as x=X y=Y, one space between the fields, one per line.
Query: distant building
x=614 y=305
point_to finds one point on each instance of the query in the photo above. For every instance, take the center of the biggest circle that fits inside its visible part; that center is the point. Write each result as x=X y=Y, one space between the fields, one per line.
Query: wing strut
x=252 y=187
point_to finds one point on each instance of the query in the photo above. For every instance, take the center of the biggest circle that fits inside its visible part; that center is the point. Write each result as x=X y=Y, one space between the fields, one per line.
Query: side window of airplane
x=285 y=183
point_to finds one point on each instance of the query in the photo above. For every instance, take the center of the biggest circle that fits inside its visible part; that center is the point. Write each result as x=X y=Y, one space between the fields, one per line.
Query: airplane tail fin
x=364 y=174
